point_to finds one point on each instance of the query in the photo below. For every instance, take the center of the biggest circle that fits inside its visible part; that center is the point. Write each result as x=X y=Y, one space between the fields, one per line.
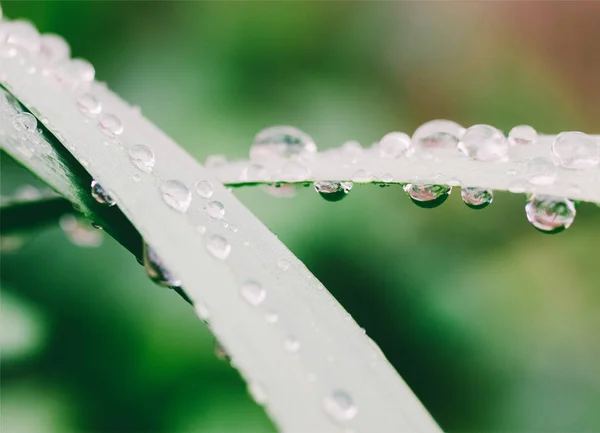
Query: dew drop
x=110 y=125
x=438 y=134
x=218 y=247
x=215 y=209
x=201 y=229
x=427 y=196
x=340 y=406
x=576 y=150
x=522 y=134
x=142 y=157
x=387 y=178
x=281 y=142
x=233 y=228
x=394 y=144
x=550 y=214
x=176 y=195
x=279 y=190
x=204 y=188
x=254 y=173
x=202 y=311
x=136 y=177
x=89 y=104
x=484 y=143
x=541 y=171
x=283 y=264
x=101 y=195
x=82 y=70
x=291 y=344
x=361 y=176
x=294 y=171
x=257 y=393
x=156 y=270
x=24 y=122
x=517 y=186
x=333 y=191
x=253 y=292
x=477 y=198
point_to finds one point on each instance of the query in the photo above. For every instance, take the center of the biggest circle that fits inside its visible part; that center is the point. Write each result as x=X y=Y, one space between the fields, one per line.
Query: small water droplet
x=271 y=317
x=541 y=171
x=522 y=134
x=294 y=171
x=218 y=247
x=550 y=214
x=484 y=143
x=220 y=351
x=281 y=142
x=361 y=176
x=215 y=209
x=283 y=264
x=438 y=134
x=333 y=191
x=477 y=198
x=176 y=195
x=257 y=393
x=387 y=178
x=202 y=311
x=254 y=173
x=110 y=125
x=204 y=188
x=453 y=182
x=81 y=70
x=101 y=195
x=142 y=157
x=156 y=270
x=394 y=144
x=291 y=344
x=340 y=406
x=279 y=190
x=24 y=122
x=201 y=229
x=136 y=177
x=253 y=292
x=427 y=196
x=233 y=228
x=576 y=150
x=517 y=186
x=89 y=104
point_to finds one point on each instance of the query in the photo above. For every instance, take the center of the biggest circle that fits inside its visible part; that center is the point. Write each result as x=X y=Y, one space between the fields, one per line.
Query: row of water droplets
x=48 y=55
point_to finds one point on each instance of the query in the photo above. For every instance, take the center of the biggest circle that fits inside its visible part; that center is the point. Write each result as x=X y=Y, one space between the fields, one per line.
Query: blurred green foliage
x=494 y=325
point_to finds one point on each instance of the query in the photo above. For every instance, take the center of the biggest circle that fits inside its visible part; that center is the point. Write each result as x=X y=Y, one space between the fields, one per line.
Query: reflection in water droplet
x=100 y=195
x=340 y=406
x=281 y=142
x=428 y=195
x=253 y=292
x=522 y=134
x=142 y=157
x=218 y=247
x=333 y=191
x=541 y=171
x=156 y=270
x=215 y=209
x=576 y=150
x=477 y=198
x=54 y=48
x=394 y=144
x=484 y=143
x=89 y=104
x=387 y=178
x=438 y=134
x=110 y=124
x=176 y=195
x=550 y=214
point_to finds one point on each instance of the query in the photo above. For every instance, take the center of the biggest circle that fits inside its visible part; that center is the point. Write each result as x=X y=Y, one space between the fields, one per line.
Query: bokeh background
x=495 y=326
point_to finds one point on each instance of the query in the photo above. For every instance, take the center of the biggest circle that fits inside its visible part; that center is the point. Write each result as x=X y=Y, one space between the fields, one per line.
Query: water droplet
x=257 y=393
x=271 y=317
x=220 y=351
x=394 y=144
x=233 y=228
x=201 y=229
x=511 y=172
x=484 y=143
x=281 y=142
x=254 y=173
x=136 y=177
x=24 y=122
x=156 y=270
x=110 y=124
x=387 y=178
x=283 y=264
x=253 y=292
x=517 y=186
x=340 y=406
x=89 y=104
x=333 y=191
x=550 y=214
x=80 y=232
x=142 y=157
x=215 y=161
x=576 y=150
x=291 y=344
x=522 y=134
x=218 y=247
x=176 y=195
x=541 y=171
x=101 y=195
x=82 y=70
x=438 y=133
x=215 y=209
x=453 y=182
x=202 y=311
x=427 y=196
x=361 y=176
x=477 y=198
x=294 y=171
x=54 y=48
x=280 y=190
x=204 y=188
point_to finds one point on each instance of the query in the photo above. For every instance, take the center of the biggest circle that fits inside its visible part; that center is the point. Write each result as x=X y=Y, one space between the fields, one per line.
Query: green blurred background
x=495 y=326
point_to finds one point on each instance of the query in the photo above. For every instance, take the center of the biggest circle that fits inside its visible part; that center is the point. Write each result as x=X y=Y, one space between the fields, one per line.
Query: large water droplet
x=438 y=133
x=576 y=150
x=333 y=191
x=110 y=124
x=201 y=310
x=204 y=189
x=142 y=157
x=89 y=104
x=394 y=144
x=176 y=195
x=156 y=270
x=484 y=143
x=101 y=195
x=215 y=209
x=550 y=214
x=24 y=122
x=541 y=171
x=340 y=406
x=427 y=196
x=253 y=292
x=82 y=70
x=477 y=198
x=281 y=142
x=218 y=247
x=522 y=134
